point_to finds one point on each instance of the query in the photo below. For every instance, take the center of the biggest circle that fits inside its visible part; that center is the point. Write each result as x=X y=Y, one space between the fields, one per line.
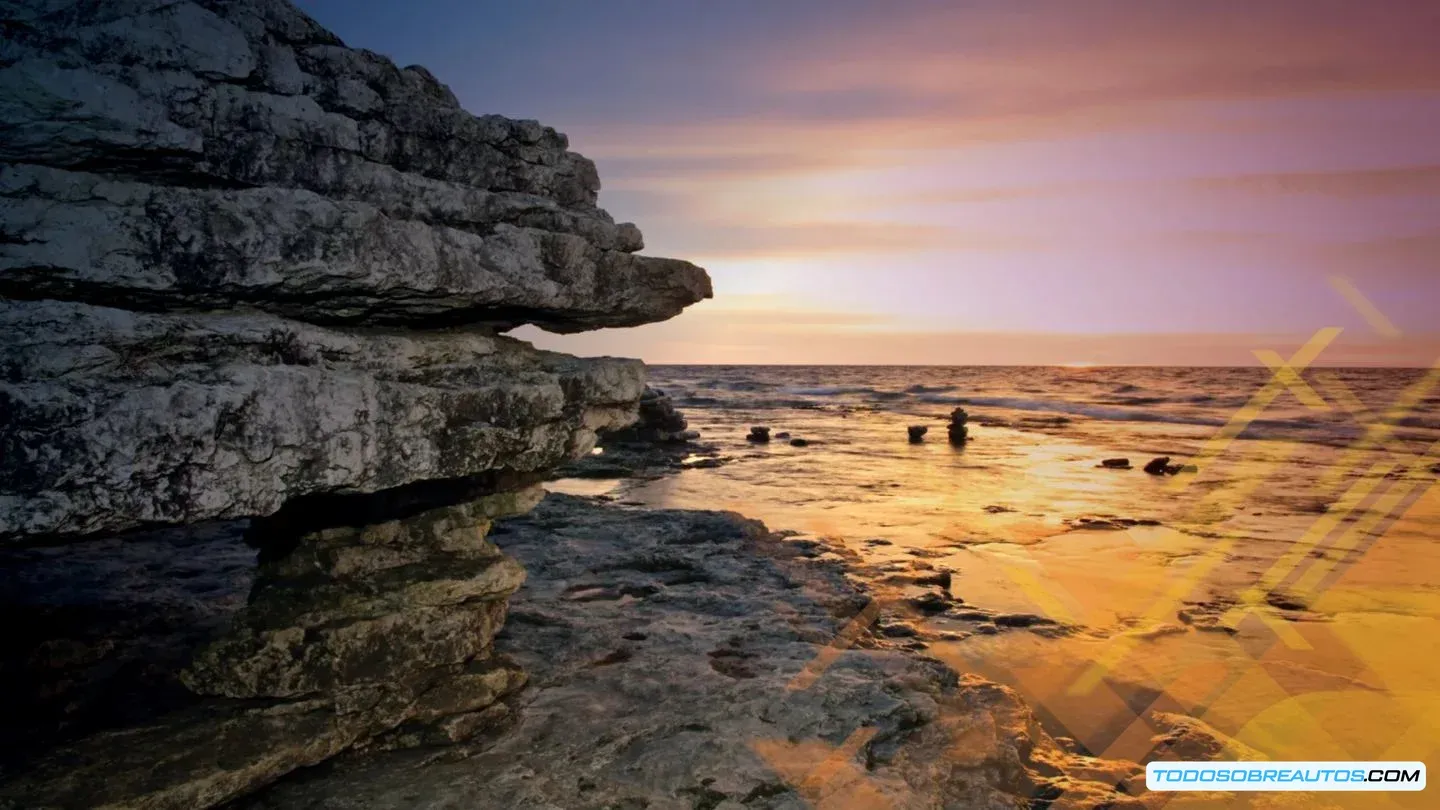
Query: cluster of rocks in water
x=1156 y=466
x=957 y=431
x=658 y=423
x=659 y=442
x=760 y=434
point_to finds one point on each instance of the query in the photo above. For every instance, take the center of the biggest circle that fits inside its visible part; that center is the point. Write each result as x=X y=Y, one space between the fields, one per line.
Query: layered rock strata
x=680 y=660
x=247 y=272
x=659 y=421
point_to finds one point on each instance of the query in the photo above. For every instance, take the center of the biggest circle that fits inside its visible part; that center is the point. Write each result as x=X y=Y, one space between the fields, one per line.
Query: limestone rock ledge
x=164 y=154
x=248 y=273
x=116 y=419
x=222 y=188
x=350 y=632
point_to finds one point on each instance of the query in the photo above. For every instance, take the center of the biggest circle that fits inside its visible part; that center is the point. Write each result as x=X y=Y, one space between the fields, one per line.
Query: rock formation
x=678 y=664
x=957 y=430
x=250 y=273
x=660 y=442
x=658 y=422
x=1162 y=466
x=917 y=433
x=759 y=434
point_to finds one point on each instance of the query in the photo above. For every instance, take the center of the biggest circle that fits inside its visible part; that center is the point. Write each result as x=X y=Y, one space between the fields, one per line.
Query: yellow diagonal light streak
x=1317 y=531
x=1119 y=646
x=843 y=640
x=1384 y=507
x=1040 y=593
x=1377 y=320
x=1377 y=434
x=1379 y=431
x=1292 y=380
x=1261 y=400
x=839 y=759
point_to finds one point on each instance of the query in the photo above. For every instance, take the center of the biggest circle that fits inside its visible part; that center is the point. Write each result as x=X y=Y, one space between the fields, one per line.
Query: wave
x=1086 y=409
x=830 y=390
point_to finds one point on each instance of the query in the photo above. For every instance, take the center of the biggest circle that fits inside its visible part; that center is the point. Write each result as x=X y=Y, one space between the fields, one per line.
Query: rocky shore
x=682 y=659
x=255 y=285
x=268 y=457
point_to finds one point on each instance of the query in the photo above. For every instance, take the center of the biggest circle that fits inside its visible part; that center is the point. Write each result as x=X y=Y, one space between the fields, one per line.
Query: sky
x=985 y=182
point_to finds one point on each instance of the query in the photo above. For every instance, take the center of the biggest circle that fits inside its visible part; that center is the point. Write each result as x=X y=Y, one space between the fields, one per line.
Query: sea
x=1283 y=589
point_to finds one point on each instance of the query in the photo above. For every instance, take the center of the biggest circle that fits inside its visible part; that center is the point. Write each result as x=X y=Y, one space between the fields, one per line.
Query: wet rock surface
x=253 y=285
x=680 y=660
x=957 y=431
x=659 y=442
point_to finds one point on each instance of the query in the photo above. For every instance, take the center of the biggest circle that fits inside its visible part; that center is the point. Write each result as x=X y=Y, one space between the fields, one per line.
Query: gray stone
x=709 y=691
x=120 y=419
x=249 y=273
x=235 y=152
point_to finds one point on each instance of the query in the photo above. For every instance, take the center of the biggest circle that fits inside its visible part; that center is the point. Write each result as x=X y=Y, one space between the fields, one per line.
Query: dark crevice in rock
x=277 y=533
x=98 y=630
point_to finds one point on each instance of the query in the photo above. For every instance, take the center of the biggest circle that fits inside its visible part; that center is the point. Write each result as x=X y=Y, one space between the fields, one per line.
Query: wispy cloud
x=1339 y=183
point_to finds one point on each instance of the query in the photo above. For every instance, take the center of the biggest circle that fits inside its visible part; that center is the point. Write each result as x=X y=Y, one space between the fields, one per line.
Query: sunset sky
x=984 y=182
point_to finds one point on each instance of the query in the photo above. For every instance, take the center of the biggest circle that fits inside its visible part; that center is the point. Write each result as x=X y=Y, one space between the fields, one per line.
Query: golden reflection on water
x=1347 y=669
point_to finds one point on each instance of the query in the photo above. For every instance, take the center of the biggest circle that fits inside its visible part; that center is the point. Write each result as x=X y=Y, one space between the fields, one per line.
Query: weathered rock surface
x=680 y=660
x=659 y=443
x=362 y=633
x=116 y=418
x=248 y=273
x=199 y=154
x=658 y=421
x=215 y=221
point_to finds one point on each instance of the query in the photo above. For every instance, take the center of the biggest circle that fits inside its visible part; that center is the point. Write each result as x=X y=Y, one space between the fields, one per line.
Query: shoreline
x=668 y=653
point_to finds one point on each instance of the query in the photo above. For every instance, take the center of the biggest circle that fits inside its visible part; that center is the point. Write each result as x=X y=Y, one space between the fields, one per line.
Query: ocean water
x=1286 y=592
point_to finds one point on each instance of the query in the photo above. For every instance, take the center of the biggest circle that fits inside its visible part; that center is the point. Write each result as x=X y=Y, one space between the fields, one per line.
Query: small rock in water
x=941 y=578
x=930 y=603
x=1116 y=463
x=958 y=432
x=784 y=434
x=917 y=433
x=760 y=433
x=1022 y=620
x=798 y=442
x=1174 y=469
x=1157 y=466
x=897 y=630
